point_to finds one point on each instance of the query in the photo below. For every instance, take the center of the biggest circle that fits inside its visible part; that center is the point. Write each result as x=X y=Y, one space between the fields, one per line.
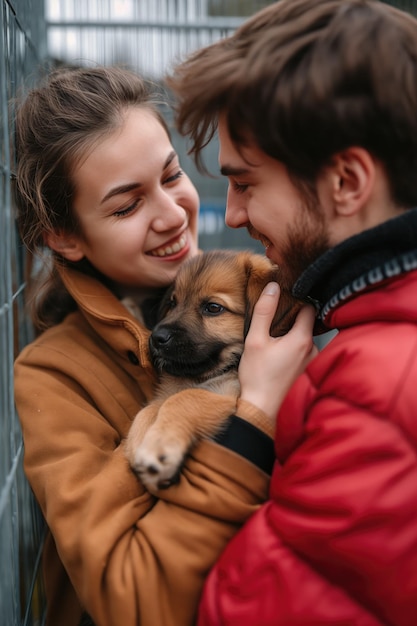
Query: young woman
x=100 y=186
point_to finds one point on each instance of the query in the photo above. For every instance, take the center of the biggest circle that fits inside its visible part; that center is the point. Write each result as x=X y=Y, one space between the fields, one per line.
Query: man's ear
x=353 y=178
x=67 y=246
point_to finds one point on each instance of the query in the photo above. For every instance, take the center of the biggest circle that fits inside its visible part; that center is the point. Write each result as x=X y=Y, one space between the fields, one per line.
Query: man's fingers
x=305 y=318
x=264 y=312
x=265 y=308
x=303 y=326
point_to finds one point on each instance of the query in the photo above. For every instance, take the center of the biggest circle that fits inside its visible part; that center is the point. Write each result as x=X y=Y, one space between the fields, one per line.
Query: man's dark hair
x=305 y=79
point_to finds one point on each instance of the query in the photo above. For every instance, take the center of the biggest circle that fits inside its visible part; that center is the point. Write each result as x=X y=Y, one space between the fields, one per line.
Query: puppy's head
x=207 y=311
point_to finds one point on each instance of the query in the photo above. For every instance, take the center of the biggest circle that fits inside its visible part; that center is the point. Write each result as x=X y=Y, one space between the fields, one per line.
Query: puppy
x=196 y=349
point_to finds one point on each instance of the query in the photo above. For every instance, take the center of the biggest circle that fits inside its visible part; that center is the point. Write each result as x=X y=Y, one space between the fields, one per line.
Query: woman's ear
x=353 y=173
x=67 y=246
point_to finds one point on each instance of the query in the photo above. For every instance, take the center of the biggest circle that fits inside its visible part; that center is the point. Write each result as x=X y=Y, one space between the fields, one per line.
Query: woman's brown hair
x=54 y=126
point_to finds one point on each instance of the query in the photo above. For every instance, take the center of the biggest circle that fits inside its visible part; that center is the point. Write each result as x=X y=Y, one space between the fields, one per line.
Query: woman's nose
x=168 y=214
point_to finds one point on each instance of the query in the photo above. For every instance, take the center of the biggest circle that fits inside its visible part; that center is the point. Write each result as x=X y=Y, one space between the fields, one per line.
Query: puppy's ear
x=285 y=315
x=260 y=271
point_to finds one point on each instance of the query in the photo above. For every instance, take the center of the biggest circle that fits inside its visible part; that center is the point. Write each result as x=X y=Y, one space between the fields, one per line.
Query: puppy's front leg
x=140 y=425
x=182 y=419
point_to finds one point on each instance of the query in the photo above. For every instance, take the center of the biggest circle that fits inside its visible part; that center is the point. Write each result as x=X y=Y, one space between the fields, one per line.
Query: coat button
x=133 y=358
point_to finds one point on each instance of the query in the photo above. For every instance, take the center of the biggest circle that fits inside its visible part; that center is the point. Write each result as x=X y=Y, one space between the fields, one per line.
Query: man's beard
x=307 y=240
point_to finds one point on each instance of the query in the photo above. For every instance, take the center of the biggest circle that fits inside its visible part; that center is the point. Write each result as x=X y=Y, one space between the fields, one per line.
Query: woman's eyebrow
x=170 y=158
x=120 y=189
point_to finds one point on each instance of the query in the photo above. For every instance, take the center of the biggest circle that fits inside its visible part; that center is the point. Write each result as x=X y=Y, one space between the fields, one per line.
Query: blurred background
x=35 y=36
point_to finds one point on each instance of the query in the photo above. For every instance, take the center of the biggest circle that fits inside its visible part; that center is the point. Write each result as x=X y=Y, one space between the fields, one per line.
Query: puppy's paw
x=157 y=462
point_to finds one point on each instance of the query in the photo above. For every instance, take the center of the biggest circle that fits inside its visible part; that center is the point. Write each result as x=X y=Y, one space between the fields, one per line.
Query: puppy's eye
x=166 y=306
x=212 y=308
x=172 y=303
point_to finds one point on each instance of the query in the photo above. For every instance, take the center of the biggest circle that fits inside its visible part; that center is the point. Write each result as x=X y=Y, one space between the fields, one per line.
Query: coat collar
x=107 y=316
x=359 y=263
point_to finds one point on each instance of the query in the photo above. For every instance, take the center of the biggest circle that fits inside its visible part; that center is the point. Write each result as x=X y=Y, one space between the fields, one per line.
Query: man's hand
x=270 y=365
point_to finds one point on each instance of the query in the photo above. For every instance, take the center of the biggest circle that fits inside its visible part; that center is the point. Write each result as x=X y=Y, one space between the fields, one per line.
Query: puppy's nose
x=161 y=337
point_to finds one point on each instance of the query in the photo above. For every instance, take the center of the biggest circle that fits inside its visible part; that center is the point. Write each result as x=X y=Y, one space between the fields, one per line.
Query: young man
x=315 y=103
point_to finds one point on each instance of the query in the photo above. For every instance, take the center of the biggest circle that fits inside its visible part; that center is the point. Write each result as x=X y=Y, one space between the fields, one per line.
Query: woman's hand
x=270 y=365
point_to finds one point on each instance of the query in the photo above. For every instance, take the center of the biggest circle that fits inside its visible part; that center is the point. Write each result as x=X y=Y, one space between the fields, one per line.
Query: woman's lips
x=171 y=248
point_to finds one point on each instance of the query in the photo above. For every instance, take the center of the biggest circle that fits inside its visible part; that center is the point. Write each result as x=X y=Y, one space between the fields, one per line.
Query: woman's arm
x=132 y=558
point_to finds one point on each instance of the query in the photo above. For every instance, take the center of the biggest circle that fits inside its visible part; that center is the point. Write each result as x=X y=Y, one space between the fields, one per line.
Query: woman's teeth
x=172 y=249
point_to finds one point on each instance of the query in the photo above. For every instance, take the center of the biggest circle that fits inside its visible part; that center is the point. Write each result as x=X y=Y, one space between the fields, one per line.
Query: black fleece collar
x=368 y=258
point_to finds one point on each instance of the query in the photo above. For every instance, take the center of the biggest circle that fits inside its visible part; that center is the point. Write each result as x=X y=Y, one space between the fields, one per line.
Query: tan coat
x=127 y=558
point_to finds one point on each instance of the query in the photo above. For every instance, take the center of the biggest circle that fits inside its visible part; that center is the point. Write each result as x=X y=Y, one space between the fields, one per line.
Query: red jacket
x=336 y=544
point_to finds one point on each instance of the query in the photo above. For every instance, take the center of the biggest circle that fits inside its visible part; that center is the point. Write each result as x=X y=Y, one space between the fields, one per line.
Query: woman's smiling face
x=136 y=209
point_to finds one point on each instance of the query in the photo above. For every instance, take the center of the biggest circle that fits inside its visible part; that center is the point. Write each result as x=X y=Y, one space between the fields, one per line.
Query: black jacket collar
x=372 y=256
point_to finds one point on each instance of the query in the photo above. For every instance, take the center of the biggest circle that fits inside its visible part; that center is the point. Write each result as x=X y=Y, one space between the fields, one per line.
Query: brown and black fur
x=196 y=348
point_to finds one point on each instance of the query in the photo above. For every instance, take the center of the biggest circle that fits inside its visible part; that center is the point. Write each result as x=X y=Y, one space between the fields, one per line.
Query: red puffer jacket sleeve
x=337 y=542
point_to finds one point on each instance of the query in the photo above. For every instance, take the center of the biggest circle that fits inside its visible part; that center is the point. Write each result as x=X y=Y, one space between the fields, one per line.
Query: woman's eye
x=127 y=210
x=212 y=308
x=174 y=177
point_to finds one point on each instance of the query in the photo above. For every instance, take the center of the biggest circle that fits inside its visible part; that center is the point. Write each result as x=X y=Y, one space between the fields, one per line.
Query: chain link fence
x=22 y=49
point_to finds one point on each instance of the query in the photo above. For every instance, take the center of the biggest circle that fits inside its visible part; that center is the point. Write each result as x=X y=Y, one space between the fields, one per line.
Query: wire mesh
x=22 y=37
